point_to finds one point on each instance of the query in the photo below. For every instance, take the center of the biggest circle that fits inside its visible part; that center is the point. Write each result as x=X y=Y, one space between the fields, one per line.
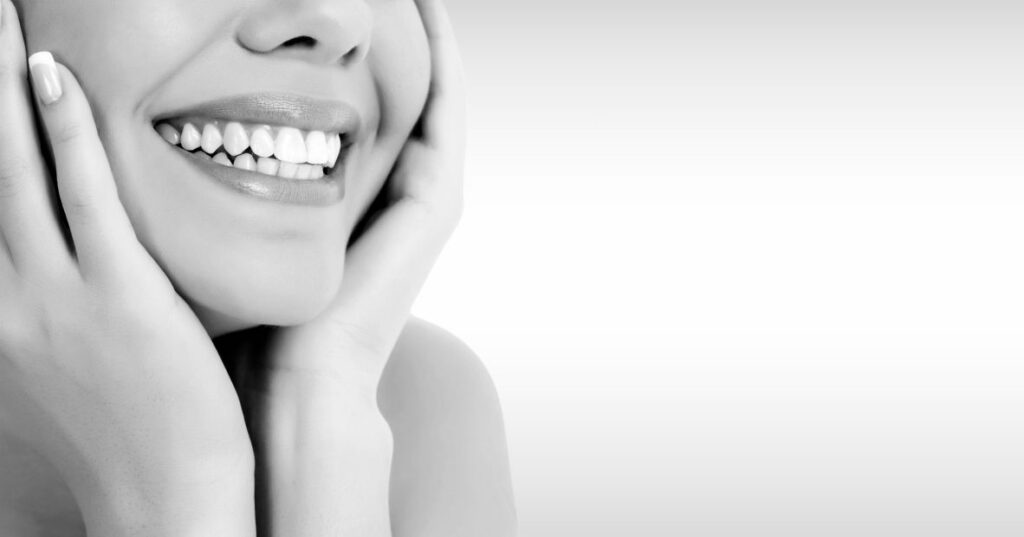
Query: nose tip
x=318 y=31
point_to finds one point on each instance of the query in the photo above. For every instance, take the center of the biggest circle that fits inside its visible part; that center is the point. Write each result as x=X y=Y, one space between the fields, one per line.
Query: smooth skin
x=113 y=393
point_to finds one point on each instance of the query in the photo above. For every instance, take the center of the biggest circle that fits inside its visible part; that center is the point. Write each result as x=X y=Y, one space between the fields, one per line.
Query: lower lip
x=316 y=192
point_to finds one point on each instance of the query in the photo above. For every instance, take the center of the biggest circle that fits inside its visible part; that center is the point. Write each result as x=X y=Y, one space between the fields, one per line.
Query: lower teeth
x=268 y=166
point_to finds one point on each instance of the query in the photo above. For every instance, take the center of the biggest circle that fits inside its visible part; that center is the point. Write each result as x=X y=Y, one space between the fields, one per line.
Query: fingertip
x=45 y=77
x=4 y=6
x=11 y=42
x=41 y=57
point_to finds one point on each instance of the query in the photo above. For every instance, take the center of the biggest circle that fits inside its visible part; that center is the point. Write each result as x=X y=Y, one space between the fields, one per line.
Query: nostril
x=354 y=55
x=301 y=41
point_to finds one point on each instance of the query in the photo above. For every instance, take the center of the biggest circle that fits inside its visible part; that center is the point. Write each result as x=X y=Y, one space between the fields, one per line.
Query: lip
x=317 y=192
x=282 y=109
x=285 y=109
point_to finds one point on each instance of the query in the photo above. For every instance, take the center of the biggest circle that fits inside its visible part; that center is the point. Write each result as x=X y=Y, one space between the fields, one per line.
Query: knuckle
x=13 y=172
x=67 y=132
x=78 y=204
x=23 y=334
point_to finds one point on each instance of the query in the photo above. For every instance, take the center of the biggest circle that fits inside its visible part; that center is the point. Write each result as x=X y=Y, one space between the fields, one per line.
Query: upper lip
x=286 y=109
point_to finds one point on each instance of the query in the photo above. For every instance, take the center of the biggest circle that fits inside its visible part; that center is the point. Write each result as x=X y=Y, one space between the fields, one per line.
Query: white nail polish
x=45 y=77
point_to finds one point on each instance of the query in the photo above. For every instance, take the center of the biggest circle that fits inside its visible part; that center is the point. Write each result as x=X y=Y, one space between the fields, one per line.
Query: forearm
x=214 y=498
x=327 y=460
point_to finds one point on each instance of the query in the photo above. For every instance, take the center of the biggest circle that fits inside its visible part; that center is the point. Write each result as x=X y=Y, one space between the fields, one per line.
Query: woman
x=263 y=184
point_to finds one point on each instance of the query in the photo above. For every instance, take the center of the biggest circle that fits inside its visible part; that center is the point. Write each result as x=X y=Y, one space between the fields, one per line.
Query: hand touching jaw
x=214 y=186
x=96 y=347
x=319 y=380
x=244 y=247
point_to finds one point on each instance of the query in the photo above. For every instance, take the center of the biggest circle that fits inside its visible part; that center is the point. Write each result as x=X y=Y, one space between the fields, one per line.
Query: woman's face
x=244 y=247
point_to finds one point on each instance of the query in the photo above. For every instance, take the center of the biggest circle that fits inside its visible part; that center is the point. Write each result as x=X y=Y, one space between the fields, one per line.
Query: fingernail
x=45 y=78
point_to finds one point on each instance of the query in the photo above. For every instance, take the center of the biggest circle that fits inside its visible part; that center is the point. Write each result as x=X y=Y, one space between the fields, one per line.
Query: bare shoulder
x=450 y=474
x=433 y=365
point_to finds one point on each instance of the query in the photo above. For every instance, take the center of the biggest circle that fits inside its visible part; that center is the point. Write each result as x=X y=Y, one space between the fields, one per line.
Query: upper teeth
x=309 y=150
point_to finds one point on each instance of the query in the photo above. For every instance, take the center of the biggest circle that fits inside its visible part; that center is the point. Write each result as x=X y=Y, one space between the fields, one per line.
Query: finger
x=29 y=217
x=100 y=228
x=388 y=265
x=444 y=115
x=386 y=268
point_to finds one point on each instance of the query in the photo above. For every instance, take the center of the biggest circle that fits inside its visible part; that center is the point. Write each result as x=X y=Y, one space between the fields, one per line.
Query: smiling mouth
x=276 y=151
x=276 y=146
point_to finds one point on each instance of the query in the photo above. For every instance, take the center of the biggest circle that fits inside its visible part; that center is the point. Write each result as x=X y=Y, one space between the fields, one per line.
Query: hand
x=388 y=265
x=323 y=449
x=103 y=368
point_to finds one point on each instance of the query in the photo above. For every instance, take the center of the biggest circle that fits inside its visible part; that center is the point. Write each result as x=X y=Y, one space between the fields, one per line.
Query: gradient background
x=748 y=267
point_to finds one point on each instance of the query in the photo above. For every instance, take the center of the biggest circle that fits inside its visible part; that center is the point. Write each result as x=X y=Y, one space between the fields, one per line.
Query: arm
x=450 y=476
x=325 y=447
x=104 y=371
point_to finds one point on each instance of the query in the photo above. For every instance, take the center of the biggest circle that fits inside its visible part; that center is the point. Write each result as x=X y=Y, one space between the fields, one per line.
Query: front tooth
x=267 y=165
x=235 y=138
x=262 y=142
x=289 y=146
x=190 y=137
x=245 y=162
x=221 y=158
x=318 y=172
x=211 y=138
x=305 y=171
x=333 y=149
x=316 y=147
x=287 y=170
x=169 y=133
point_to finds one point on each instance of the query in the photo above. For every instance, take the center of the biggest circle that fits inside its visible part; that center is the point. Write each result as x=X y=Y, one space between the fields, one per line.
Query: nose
x=317 y=31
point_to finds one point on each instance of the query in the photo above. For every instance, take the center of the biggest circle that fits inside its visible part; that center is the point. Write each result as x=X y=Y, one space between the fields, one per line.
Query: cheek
x=400 y=63
x=120 y=49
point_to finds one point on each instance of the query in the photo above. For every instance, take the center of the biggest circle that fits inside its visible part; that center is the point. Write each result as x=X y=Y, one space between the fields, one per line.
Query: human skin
x=316 y=384
x=240 y=261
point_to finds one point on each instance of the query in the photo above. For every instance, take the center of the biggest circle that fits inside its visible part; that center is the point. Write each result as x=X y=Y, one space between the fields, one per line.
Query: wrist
x=214 y=496
x=326 y=450
x=323 y=385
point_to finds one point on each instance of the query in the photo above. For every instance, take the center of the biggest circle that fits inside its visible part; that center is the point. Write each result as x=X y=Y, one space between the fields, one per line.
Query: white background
x=744 y=268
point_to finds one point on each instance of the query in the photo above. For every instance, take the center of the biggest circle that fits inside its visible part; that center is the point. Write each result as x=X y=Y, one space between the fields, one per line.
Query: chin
x=291 y=294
